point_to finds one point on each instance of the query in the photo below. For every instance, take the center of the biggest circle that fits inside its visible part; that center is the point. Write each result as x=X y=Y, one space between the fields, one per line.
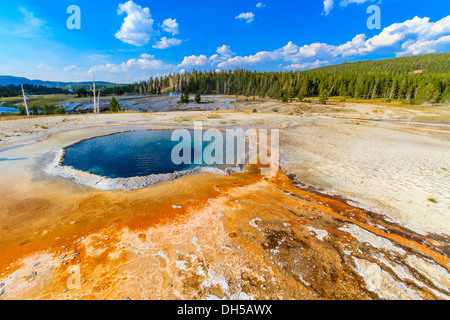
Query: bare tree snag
x=25 y=100
x=96 y=107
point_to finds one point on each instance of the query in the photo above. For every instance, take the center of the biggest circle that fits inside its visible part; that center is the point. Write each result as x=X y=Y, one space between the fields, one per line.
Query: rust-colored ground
x=207 y=236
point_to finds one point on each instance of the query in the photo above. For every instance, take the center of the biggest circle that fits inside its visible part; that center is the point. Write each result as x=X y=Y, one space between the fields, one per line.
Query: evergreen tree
x=114 y=105
x=198 y=98
x=323 y=97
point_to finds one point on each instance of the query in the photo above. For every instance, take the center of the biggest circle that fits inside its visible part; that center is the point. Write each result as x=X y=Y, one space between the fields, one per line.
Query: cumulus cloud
x=165 y=43
x=170 y=26
x=147 y=56
x=247 y=16
x=306 y=65
x=415 y=36
x=132 y=65
x=137 y=26
x=223 y=53
x=195 y=61
x=328 y=5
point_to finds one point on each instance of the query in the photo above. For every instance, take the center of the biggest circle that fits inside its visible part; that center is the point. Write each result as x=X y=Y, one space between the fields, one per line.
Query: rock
x=2 y=292
x=75 y=253
x=127 y=298
x=81 y=239
x=63 y=256
x=36 y=264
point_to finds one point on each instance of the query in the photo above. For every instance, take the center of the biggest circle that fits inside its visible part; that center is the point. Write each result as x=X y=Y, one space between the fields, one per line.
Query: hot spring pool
x=128 y=154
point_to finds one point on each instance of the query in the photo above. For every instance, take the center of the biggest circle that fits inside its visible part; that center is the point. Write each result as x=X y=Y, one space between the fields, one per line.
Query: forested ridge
x=415 y=80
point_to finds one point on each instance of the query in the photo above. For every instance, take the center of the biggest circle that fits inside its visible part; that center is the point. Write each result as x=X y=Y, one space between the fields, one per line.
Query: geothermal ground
x=359 y=210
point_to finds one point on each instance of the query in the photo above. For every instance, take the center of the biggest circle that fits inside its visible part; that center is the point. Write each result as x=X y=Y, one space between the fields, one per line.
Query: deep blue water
x=128 y=154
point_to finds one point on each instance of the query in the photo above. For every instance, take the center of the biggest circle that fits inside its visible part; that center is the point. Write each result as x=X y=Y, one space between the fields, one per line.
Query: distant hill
x=7 y=80
x=436 y=63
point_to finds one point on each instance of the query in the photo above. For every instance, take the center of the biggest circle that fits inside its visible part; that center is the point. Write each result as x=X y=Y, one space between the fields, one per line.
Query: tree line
x=31 y=89
x=415 y=80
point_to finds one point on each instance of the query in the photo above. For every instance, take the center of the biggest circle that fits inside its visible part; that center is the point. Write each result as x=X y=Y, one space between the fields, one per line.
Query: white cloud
x=131 y=66
x=137 y=26
x=147 y=56
x=424 y=47
x=260 y=5
x=195 y=61
x=165 y=43
x=225 y=51
x=328 y=5
x=344 y=3
x=170 y=26
x=414 y=36
x=306 y=65
x=247 y=16
x=45 y=67
x=70 y=68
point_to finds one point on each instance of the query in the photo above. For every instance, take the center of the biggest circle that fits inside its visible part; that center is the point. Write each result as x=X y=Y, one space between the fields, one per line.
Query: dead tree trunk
x=98 y=101
x=25 y=101
x=94 y=94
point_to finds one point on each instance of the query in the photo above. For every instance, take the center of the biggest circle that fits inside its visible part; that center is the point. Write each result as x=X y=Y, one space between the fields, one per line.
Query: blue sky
x=127 y=41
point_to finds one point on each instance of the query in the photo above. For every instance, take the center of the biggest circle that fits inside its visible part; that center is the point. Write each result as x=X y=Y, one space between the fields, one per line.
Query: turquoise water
x=8 y=110
x=128 y=154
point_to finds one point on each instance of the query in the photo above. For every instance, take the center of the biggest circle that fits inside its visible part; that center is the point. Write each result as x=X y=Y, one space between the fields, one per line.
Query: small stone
x=75 y=253
x=33 y=274
x=2 y=292
x=65 y=291
x=81 y=239
x=63 y=256
x=36 y=264
x=127 y=298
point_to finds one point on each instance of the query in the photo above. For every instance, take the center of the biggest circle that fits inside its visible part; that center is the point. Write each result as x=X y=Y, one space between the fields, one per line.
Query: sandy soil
x=271 y=239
